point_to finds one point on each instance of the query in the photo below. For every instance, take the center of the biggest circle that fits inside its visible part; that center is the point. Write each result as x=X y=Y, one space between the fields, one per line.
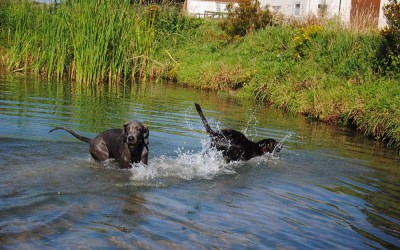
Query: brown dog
x=127 y=145
x=234 y=145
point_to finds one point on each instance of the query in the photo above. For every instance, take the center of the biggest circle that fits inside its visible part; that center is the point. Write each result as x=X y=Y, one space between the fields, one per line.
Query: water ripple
x=327 y=188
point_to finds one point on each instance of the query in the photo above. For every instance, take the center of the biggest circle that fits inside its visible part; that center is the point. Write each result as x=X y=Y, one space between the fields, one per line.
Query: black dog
x=234 y=145
x=127 y=145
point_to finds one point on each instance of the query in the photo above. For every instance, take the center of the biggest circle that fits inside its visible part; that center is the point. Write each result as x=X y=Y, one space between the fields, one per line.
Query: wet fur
x=127 y=145
x=234 y=145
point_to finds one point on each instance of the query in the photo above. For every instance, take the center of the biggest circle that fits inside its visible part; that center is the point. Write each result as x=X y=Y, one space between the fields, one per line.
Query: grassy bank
x=322 y=70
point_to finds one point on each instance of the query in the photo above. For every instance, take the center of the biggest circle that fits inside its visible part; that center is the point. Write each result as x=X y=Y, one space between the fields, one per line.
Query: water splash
x=252 y=123
x=279 y=145
x=208 y=163
x=187 y=165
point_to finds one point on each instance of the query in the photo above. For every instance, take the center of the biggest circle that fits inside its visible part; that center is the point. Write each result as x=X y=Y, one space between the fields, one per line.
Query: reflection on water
x=327 y=189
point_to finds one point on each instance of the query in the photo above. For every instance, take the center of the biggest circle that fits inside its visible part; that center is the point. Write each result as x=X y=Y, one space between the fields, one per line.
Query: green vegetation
x=91 y=42
x=318 y=68
x=246 y=18
x=388 y=58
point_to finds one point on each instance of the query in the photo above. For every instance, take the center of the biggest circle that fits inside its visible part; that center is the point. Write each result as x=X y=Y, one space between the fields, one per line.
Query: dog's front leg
x=144 y=157
x=125 y=162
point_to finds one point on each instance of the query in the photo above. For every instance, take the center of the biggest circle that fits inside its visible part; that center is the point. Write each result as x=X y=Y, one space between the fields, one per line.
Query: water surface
x=329 y=188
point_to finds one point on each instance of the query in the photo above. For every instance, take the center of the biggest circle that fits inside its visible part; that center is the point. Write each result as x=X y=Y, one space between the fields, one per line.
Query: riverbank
x=325 y=73
x=320 y=69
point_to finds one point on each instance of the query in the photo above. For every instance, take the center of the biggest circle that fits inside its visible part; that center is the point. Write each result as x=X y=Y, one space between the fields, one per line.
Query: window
x=276 y=8
x=297 y=9
x=322 y=9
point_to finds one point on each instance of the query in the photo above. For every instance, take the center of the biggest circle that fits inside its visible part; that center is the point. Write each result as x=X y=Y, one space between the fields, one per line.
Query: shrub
x=303 y=40
x=170 y=21
x=245 y=18
x=389 y=52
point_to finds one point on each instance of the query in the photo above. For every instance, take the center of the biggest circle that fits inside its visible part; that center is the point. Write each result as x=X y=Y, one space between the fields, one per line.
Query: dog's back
x=234 y=144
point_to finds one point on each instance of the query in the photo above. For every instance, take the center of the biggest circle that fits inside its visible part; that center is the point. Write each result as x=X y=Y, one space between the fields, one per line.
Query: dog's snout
x=131 y=138
x=278 y=146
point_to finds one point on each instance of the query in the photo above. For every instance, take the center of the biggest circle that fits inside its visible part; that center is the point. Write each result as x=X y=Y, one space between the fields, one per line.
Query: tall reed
x=89 y=41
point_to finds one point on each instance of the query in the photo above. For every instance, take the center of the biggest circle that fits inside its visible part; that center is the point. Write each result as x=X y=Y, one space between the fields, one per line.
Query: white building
x=381 y=19
x=207 y=8
x=303 y=8
x=347 y=10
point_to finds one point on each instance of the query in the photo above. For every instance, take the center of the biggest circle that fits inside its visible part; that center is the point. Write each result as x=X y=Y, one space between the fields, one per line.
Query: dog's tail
x=203 y=118
x=82 y=138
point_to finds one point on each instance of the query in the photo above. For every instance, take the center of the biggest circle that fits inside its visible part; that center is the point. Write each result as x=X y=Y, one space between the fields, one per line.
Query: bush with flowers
x=389 y=52
x=304 y=39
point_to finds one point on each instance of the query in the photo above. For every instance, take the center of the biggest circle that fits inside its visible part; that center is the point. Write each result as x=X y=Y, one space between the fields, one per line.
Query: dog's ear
x=124 y=134
x=146 y=135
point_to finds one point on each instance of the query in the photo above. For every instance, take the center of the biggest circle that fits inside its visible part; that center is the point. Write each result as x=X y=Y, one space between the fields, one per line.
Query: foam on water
x=187 y=165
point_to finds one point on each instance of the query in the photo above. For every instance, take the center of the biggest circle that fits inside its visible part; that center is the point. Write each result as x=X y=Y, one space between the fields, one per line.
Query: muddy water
x=328 y=188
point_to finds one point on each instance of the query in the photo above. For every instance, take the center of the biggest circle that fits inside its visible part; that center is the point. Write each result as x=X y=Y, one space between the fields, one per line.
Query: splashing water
x=251 y=124
x=187 y=165
x=279 y=145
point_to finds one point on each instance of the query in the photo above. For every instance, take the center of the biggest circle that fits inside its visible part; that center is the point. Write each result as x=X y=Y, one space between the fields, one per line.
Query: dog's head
x=269 y=145
x=135 y=133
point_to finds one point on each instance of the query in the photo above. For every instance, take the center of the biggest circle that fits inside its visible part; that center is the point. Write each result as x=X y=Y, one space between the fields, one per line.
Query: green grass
x=322 y=72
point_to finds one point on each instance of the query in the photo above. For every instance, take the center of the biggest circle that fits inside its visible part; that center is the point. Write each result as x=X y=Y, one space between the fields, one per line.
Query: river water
x=328 y=188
